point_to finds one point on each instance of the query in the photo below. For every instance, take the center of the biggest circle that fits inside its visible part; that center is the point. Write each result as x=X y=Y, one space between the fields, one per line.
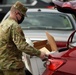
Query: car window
x=46 y=20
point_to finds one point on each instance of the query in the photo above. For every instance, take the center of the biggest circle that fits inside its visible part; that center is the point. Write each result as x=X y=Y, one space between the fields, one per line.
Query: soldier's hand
x=43 y=55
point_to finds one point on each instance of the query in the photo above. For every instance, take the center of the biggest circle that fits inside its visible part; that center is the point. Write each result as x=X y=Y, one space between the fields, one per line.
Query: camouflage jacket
x=12 y=44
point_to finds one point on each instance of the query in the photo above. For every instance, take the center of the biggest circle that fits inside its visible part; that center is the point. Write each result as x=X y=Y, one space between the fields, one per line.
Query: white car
x=38 y=21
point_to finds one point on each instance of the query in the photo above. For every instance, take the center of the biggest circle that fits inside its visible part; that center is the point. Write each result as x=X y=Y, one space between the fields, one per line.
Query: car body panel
x=68 y=68
x=63 y=63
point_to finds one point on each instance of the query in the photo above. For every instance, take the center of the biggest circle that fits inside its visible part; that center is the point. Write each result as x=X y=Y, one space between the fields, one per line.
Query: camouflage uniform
x=12 y=44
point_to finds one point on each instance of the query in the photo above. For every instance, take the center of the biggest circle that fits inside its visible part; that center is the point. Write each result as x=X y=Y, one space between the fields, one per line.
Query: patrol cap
x=18 y=5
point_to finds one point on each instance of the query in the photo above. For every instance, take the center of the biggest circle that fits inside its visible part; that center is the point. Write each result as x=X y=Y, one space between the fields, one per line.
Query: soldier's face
x=22 y=18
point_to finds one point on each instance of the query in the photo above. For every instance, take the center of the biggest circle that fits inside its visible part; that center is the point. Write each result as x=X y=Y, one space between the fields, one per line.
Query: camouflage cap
x=18 y=5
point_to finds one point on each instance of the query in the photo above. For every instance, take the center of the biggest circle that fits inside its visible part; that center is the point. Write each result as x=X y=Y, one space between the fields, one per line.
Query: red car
x=63 y=61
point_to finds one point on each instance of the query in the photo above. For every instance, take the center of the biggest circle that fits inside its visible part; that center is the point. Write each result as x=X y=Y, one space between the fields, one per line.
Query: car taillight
x=66 y=4
x=54 y=64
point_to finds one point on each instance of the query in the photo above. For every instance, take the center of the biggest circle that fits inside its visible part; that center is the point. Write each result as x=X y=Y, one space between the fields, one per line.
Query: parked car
x=59 y=25
x=62 y=62
x=5 y=5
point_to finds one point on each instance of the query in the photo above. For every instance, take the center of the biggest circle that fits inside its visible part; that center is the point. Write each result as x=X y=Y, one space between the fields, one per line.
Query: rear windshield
x=47 y=20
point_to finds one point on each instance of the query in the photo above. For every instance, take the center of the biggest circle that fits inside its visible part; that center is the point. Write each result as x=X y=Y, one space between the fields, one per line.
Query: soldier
x=13 y=42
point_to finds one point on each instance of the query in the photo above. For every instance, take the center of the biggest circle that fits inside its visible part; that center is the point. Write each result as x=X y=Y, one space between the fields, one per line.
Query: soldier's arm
x=20 y=42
